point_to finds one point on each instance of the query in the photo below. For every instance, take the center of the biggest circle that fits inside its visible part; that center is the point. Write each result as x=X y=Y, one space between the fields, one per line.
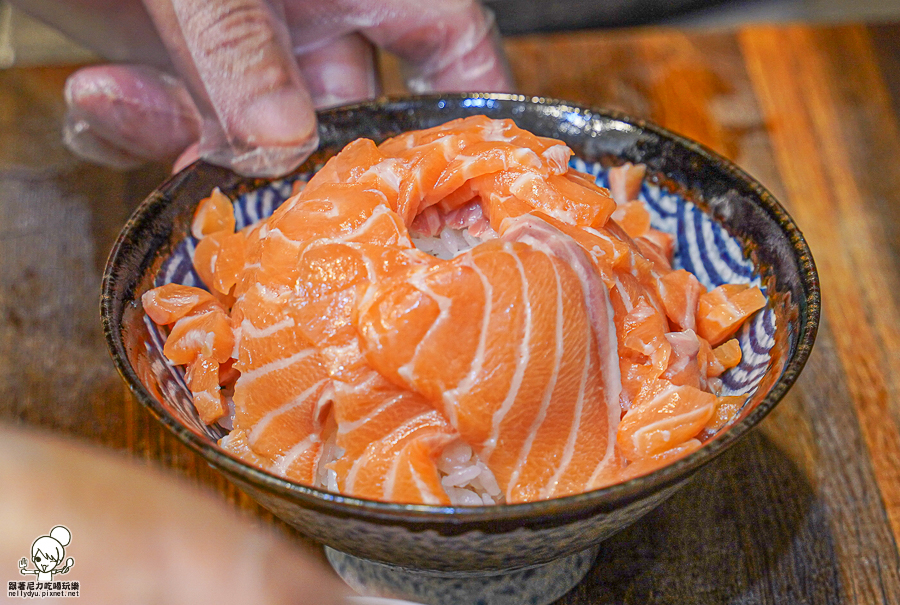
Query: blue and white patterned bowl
x=728 y=229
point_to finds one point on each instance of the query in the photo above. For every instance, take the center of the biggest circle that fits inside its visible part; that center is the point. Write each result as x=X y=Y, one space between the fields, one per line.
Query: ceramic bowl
x=728 y=229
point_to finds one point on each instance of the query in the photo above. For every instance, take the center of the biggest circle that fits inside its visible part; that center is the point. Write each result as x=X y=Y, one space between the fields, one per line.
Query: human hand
x=243 y=76
x=142 y=537
x=23 y=563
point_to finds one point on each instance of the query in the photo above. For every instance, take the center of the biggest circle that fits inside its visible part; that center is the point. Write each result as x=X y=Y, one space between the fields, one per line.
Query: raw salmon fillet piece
x=493 y=340
x=453 y=315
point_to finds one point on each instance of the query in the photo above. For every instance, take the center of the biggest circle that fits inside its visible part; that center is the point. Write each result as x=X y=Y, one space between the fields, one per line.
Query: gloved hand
x=236 y=81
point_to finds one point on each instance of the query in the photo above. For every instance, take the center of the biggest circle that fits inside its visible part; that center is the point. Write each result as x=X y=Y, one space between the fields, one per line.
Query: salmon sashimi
x=471 y=336
x=625 y=182
x=391 y=438
x=213 y=213
x=724 y=309
x=169 y=303
x=453 y=317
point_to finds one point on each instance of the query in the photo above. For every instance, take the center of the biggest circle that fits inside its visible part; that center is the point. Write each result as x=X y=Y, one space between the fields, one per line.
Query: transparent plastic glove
x=243 y=77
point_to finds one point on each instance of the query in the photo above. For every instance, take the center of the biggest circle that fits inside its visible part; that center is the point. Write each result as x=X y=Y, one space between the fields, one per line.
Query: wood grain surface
x=805 y=510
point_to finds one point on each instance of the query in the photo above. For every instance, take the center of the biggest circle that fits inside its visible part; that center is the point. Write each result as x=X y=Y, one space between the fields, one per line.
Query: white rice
x=466 y=479
x=325 y=477
x=449 y=243
x=447 y=236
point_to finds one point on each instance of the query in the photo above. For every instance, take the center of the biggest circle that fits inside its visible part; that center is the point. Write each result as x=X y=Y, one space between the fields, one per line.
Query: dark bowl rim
x=603 y=499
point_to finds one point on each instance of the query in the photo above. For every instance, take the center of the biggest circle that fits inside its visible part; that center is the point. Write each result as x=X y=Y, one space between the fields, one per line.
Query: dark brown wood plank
x=824 y=103
x=830 y=116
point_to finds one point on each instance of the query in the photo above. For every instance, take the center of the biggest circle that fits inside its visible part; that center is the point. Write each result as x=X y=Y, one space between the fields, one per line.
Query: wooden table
x=805 y=510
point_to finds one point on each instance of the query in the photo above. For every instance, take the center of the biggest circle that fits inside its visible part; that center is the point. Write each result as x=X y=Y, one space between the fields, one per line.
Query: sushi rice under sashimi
x=454 y=316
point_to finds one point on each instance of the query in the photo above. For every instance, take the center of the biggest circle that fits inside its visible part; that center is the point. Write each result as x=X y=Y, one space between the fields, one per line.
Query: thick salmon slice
x=633 y=218
x=495 y=340
x=207 y=334
x=728 y=353
x=648 y=464
x=727 y=409
x=371 y=410
x=680 y=294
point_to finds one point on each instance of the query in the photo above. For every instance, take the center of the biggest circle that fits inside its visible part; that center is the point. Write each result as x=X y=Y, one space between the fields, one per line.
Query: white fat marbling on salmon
x=396 y=436
x=525 y=157
x=569 y=450
x=662 y=426
x=685 y=347
x=612 y=381
x=496 y=131
x=548 y=390
x=153 y=297
x=273 y=366
x=348 y=426
x=358 y=464
x=447 y=146
x=284 y=463
x=623 y=294
x=236 y=349
x=277 y=295
x=617 y=254
x=523 y=181
x=452 y=397
x=277 y=234
x=391 y=478
x=196 y=338
x=406 y=371
x=557 y=157
x=269 y=416
x=428 y=497
x=388 y=171
x=248 y=329
x=521 y=364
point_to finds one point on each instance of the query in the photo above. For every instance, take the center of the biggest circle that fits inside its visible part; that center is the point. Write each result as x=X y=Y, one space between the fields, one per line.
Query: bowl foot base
x=536 y=585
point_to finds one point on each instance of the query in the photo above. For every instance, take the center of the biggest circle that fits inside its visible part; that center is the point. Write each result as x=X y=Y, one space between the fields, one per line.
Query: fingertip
x=137 y=110
x=86 y=143
x=282 y=118
x=278 y=132
x=260 y=119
